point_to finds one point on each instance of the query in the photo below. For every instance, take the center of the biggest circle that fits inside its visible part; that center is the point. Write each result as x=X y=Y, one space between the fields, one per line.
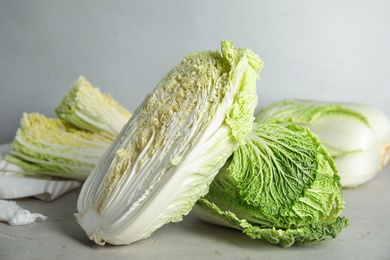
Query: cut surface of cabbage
x=168 y=153
x=49 y=146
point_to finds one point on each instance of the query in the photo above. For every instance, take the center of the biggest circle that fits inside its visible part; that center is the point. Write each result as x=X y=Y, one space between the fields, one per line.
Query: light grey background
x=330 y=50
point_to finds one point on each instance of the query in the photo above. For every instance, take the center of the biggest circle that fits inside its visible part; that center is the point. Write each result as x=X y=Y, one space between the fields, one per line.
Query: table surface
x=60 y=237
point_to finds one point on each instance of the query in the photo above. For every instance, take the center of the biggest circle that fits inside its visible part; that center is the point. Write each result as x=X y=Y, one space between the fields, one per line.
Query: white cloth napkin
x=16 y=216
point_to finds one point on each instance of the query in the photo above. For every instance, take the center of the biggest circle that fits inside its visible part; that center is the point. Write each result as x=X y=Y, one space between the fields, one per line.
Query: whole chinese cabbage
x=356 y=135
x=281 y=186
x=172 y=147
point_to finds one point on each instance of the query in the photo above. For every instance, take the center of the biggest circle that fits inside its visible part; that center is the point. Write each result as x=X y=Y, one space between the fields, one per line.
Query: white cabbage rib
x=169 y=152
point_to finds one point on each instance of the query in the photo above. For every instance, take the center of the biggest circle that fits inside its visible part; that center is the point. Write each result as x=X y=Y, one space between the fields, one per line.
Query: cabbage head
x=176 y=141
x=281 y=186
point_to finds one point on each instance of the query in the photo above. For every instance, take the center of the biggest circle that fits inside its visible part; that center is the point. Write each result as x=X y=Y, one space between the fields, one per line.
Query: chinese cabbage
x=281 y=186
x=172 y=147
x=356 y=135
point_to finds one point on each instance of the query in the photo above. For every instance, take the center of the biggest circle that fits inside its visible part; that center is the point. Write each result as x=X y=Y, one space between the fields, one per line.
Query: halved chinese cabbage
x=85 y=107
x=71 y=146
x=170 y=150
x=50 y=146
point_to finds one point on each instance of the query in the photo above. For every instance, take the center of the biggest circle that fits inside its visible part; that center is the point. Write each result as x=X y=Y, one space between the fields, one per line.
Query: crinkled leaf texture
x=281 y=186
x=173 y=146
